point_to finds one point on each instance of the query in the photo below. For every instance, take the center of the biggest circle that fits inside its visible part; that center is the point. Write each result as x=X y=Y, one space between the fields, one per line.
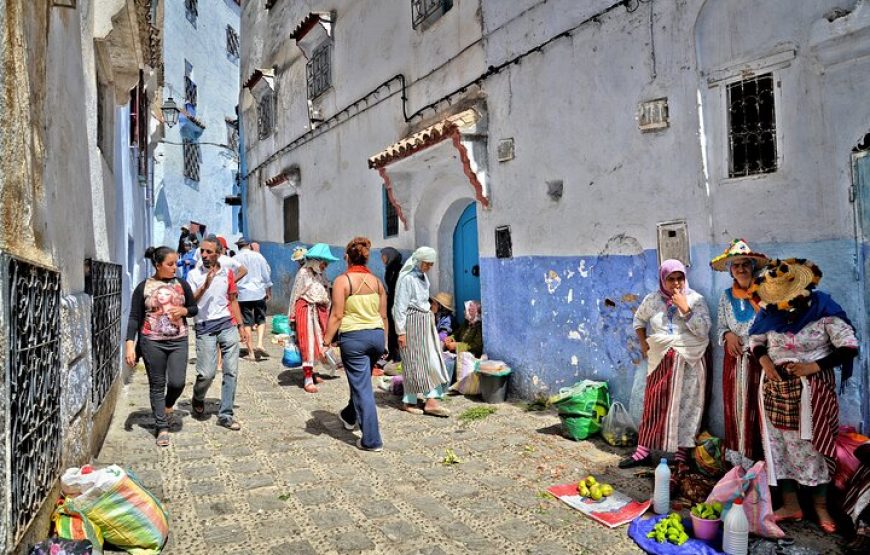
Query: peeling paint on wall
x=553 y=281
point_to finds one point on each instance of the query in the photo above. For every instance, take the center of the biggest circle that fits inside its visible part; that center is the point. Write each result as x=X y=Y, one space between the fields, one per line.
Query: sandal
x=412 y=409
x=794 y=517
x=440 y=412
x=162 y=438
x=230 y=425
x=310 y=388
x=198 y=408
x=259 y=352
x=828 y=526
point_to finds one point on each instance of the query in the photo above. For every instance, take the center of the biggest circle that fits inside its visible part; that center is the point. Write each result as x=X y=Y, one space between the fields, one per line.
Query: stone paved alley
x=292 y=481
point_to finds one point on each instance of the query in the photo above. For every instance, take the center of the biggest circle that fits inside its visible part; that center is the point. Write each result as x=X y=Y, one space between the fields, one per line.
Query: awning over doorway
x=451 y=149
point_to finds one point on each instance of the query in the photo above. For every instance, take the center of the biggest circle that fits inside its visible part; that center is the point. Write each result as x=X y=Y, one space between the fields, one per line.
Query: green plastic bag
x=582 y=407
x=280 y=325
x=578 y=427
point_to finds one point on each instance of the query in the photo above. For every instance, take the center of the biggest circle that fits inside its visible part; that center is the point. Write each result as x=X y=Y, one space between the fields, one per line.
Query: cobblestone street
x=292 y=481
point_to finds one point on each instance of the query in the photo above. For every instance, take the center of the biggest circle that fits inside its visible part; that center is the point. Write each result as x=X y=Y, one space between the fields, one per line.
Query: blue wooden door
x=466 y=262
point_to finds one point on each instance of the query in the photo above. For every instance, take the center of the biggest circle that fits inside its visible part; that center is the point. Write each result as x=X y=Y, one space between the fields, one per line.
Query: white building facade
x=197 y=162
x=554 y=152
x=76 y=205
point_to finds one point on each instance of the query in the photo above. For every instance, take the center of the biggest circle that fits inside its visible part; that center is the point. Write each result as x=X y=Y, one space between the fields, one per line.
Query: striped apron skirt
x=422 y=366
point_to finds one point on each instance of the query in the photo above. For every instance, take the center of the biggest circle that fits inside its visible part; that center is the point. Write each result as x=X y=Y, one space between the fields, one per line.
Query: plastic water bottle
x=736 y=538
x=662 y=490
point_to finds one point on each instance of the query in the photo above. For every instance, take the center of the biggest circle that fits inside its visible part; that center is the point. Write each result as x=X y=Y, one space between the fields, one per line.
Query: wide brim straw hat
x=787 y=284
x=737 y=249
x=445 y=300
x=298 y=254
x=320 y=251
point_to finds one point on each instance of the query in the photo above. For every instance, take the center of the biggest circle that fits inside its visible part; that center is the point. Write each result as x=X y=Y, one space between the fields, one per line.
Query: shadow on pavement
x=324 y=422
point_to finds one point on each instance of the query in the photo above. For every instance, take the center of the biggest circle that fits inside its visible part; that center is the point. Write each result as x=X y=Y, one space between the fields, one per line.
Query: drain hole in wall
x=609 y=303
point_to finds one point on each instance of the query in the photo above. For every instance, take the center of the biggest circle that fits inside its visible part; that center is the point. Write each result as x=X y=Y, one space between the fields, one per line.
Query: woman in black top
x=392 y=260
x=158 y=310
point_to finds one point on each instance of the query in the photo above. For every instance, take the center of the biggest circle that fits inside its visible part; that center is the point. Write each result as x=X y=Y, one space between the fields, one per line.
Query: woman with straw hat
x=676 y=350
x=799 y=337
x=442 y=307
x=423 y=369
x=309 y=310
x=740 y=370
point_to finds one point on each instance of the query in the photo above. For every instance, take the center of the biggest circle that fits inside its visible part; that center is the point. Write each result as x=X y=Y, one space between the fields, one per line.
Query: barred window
x=319 y=70
x=232 y=42
x=266 y=114
x=752 y=127
x=189 y=91
x=191 y=10
x=192 y=160
x=426 y=12
x=391 y=216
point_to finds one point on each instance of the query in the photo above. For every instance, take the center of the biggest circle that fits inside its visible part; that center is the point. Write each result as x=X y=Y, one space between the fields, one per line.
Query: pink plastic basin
x=704 y=529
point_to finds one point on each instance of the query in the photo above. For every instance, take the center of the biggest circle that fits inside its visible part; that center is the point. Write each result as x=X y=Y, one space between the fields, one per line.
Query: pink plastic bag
x=753 y=487
x=847 y=441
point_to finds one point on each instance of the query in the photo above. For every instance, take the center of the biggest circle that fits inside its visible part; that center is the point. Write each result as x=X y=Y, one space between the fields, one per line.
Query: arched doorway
x=466 y=260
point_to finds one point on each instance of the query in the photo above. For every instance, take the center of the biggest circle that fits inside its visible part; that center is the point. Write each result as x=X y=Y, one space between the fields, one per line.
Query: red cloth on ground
x=302 y=340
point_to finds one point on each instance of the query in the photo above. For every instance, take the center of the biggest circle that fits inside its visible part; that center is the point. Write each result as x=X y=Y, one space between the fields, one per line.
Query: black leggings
x=166 y=364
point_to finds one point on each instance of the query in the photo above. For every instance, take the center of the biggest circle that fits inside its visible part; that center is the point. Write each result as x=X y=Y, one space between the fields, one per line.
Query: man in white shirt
x=254 y=291
x=217 y=331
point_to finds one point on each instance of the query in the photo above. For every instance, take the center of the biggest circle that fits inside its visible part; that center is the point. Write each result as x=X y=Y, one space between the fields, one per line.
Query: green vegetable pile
x=708 y=511
x=671 y=529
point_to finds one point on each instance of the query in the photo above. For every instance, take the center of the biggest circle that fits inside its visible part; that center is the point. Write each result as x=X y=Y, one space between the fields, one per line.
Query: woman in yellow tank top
x=359 y=318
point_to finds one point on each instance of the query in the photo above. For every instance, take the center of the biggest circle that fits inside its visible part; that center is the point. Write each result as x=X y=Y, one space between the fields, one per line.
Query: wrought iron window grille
x=391 y=217
x=266 y=115
x=103 y=284
x=233 y=135
x=752 y=127
x=191 y=10
x=319 y=70
x=192 y=160
x=190 y=91
x=426 y=12
x=30 y=321
x=232 y=42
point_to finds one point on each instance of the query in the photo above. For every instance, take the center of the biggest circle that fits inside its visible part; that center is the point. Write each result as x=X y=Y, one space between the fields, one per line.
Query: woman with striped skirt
x=423 y=370
x=676 y=351
x=799 y=337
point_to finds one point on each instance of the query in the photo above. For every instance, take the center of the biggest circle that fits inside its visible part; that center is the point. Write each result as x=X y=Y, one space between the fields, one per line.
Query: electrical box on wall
x=673 y=241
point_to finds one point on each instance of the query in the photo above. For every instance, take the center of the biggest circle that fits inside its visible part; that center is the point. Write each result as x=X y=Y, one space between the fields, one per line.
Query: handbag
x=292 y=358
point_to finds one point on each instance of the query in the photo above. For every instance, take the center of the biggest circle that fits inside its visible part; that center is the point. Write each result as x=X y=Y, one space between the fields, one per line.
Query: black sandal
x=198 y=408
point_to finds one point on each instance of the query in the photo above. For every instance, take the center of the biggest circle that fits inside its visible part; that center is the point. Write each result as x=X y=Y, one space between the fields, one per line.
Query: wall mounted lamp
x=170 y=112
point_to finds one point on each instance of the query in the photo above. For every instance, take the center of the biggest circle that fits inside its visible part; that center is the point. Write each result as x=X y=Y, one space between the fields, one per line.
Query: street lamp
x=170 y=112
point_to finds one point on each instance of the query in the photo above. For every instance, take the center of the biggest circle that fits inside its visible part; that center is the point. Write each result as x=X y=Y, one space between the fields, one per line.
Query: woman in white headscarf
x=423 y=370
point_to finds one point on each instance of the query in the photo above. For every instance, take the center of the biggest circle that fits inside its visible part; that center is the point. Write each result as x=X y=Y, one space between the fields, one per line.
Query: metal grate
x=233 y=134
x=752 y=127
x=427 y=11
x=266 y=115
x=192 y=159
x=189 y=91
x=103 y=283
x=319 y=71
x=391 y=217
x=503 y=243
x=232 y=42
x=191 y=10
x=32 y=322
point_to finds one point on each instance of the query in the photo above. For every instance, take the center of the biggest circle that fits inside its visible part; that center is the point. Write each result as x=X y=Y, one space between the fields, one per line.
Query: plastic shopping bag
x=847 y=464
x=581 y=408
x=70 y=524
x=618 y=428
x=292 y=357
x=129 y=516
x=467 y=379
x=280 y=324
x=753 y=487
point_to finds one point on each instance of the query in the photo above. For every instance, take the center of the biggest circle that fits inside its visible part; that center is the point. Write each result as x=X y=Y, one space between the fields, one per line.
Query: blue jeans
x=207 y=346
x=359 y=352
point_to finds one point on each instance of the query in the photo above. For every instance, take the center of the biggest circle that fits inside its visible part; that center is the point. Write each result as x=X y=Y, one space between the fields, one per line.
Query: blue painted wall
x=558 y=320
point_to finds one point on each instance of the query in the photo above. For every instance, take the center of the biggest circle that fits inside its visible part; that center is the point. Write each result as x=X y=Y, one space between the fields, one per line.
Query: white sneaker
x=372 y=449
x=347 y=426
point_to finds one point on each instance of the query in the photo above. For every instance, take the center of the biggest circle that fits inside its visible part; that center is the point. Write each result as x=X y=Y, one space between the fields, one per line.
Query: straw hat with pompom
x=787 y=284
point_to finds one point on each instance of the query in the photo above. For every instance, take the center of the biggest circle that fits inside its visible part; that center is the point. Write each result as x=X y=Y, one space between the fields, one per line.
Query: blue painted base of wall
x=558 y=320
